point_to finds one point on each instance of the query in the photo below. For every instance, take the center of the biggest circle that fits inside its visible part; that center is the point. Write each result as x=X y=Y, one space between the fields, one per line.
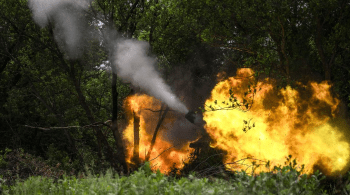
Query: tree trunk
x=136 y=157
x=318 y=41
x=106 y=148
x=117 y=136
x=283 y=50
x=162 y=116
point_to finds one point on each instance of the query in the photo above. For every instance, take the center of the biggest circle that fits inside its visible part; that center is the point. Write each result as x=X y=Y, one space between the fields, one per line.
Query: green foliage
x=288 y=40
x=140 y=182
x=3 y=156
x=60 y=158
x=20 y=165
x=285 y=180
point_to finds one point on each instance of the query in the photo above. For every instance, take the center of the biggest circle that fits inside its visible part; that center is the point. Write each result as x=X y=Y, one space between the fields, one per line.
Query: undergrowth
x=202 y=175
x=282 y=180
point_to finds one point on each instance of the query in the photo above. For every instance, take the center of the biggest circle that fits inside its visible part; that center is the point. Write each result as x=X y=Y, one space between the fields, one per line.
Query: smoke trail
x=131 y=60
x=135 y=66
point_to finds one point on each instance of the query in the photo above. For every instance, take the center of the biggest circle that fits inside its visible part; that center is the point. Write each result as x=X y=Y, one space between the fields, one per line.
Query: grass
x=24 y=174
x=282 y=180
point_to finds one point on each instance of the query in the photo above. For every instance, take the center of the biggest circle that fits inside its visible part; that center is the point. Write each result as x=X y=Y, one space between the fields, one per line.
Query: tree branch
x=157 y=110
x=161 y=118
x=68 y=127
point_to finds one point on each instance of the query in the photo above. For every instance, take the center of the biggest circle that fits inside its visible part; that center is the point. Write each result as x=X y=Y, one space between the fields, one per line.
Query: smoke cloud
x=130 y=59
x=69 y=21
x=180 y=132
x=43 y=10
x=133 y=65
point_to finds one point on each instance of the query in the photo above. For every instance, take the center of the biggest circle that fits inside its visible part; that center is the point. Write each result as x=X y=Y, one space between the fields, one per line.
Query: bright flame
x=286 y=122
x=164 y=155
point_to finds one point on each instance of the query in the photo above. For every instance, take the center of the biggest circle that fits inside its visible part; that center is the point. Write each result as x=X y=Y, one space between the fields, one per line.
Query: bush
x=284 y=180
x=18 y=165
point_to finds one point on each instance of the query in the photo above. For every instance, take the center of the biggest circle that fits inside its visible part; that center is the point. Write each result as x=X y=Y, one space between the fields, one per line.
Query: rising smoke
x=44 y=10
x=133 y=65
x=68 y=19
x=129 y=56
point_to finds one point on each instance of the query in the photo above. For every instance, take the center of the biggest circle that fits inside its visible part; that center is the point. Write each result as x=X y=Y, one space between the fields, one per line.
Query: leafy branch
x=234 y=103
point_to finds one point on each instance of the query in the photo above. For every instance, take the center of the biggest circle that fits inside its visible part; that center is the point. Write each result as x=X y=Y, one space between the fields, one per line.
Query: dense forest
x=63 y=95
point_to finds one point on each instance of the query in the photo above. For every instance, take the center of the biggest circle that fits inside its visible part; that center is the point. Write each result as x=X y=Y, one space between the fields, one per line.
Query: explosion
x=165 y=155
x=270 y=124
x=250 y=119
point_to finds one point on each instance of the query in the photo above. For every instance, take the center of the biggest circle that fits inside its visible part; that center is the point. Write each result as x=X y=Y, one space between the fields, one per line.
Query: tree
x=278 y=38
x=41 y=64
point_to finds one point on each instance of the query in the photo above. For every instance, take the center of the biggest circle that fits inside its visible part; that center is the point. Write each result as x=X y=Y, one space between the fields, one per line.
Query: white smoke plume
x=130 y=59
x=44 y=9
x=68 y=20
x=135 y=66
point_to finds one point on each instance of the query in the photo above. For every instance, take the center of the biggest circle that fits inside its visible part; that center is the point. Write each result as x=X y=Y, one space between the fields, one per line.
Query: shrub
x=18 y=165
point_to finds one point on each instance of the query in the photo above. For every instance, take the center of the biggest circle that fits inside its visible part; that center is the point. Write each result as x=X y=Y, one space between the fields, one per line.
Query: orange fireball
x=164 y=155
x=280 y=123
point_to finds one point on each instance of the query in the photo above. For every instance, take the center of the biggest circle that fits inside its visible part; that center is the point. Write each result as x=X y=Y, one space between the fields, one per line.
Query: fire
x=278 y=123
x=164 y=155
